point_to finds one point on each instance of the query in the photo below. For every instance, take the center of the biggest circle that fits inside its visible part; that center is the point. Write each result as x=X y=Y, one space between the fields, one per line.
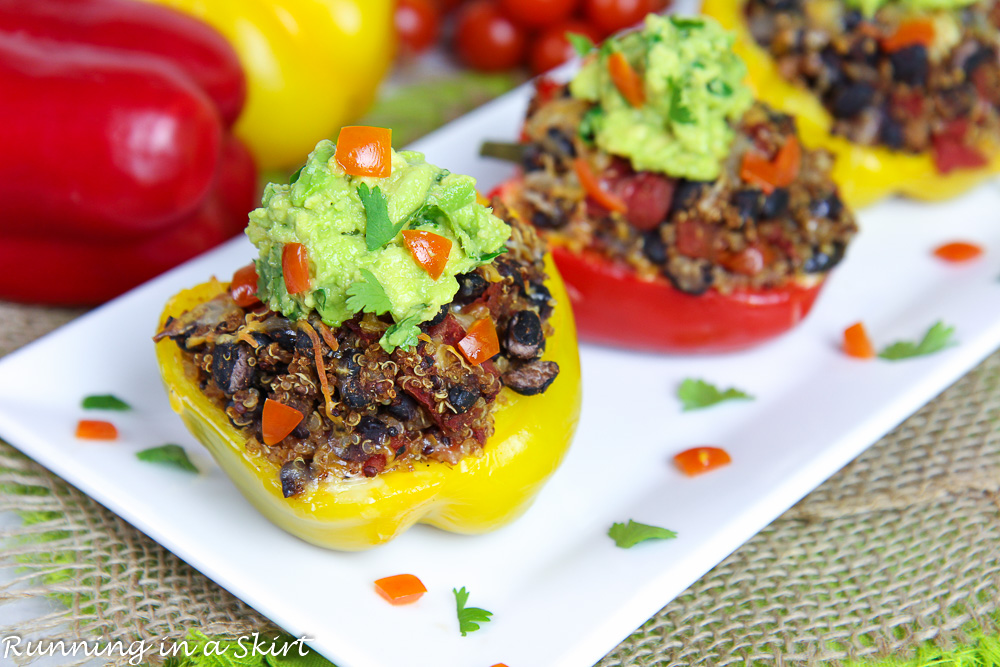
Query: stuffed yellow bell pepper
x=397 y=354
x=311 y=66
x=887 y=163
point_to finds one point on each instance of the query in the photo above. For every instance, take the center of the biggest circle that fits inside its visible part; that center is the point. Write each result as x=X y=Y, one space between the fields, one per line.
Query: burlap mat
x=900 y=548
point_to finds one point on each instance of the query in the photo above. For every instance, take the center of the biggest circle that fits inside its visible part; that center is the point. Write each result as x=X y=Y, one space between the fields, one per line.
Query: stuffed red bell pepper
x=683 y=215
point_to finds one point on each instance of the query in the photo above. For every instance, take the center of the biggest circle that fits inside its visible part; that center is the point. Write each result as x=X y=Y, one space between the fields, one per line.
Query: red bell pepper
x=614 y=306
x=193 y=46
x=99 y=143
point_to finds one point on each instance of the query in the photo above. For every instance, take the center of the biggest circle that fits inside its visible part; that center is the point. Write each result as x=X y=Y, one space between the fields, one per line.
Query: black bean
x=910 y=64
x=304 y=344
x=833 y=64
x=543 y=220
x=294 y=476
x=852 y=98
x=686 y=195
x=400 y=450
x=775 y=204
x=823 y=260
x=471 y=286
x=511 y=269
x=696 y=286
x=372 y=429
x=533 y=378
x=347 y=370
x=262 y=339
x=891 y=133
x=404 y=409
x=437 y=319
x=540 y=295
x=980 y=56
x=560 y=142
x=828 y=207
x=231 y=369
x=654 y=248
x=301 y=430
x=747 y=204
x=524 y=335
x=462 y=398
x=531 y=158
x=284 y=336
x=852 y=19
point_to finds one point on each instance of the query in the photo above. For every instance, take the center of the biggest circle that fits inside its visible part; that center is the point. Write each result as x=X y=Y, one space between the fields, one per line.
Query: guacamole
x=693 y=85
x=323 y=210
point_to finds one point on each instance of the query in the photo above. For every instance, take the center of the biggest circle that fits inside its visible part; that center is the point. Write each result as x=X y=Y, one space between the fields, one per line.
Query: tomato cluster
x=495 y=35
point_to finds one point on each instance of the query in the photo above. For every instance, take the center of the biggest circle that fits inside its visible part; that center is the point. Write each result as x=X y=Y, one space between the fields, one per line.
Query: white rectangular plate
x=562 y=593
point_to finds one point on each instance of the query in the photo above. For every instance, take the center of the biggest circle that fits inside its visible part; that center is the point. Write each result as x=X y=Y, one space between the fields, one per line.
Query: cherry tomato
x=608 y=16
x=418 y=23
x=551 y=48
x=538 y=13
x=486 y=39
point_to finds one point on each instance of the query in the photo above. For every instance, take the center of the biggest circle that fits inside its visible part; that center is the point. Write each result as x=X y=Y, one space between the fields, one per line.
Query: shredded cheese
x=320 y=367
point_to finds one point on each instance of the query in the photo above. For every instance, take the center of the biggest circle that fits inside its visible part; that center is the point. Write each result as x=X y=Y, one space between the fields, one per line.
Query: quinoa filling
x=730 y=233
x=911 y=82
x=367 y=411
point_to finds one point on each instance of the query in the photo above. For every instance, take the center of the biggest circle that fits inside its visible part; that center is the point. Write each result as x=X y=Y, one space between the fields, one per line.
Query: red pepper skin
x=237 y=184
x=62 y=272
x=193 y=46
x=615 y=307
x=100 y=144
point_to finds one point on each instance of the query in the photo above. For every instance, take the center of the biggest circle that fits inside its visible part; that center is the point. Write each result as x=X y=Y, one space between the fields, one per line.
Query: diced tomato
x=748 y=262
x=400 y=589
x=698 y=460
x=365 y=151
x=545 y=88
x=277 y=421
x=430 y=251
x=856 y=342
x=480 y=342
x=777 y=173
x=914 y=31
x=594 y=189
x=958 y=251
x=243 y=289
x=295 y=267
x=647 y=198
x=693 y=239
x=626 y=79
x=950 y=155
x=96 y=429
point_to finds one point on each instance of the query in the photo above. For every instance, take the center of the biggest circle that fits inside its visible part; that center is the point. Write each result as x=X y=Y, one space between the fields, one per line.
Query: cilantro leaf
x=105 y=402
x=679 y=113
x=367 y=295
x=580 y=43
x=686 y=23
x=589 y=123
x=695 y=394
x=173 y=455
x=469 y=618
x=937 y=338
x=628 y=535
x=295 y=176
x=379 y=229
x=488 y=257
x=720 y=88
x=401 y=334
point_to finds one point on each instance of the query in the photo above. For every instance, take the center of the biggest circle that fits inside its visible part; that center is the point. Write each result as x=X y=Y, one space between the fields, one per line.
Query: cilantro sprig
x=379 y=229
x=171 y=455
x=628 y=535
x=469 y=618
x=937 y=338
x=105 y=402
x=698 y=394
x=580 y=43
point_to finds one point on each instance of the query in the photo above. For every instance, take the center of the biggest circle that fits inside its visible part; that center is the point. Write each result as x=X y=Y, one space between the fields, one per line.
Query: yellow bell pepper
x=311 y=66
x=865 y=174
x=532 y=433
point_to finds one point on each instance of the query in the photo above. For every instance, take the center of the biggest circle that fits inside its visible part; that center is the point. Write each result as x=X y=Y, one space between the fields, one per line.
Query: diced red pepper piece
x=277 y=421
x=698 y=460
x=914 y=31
x=480 y=342
x=626 y=79
x=594 y=189
x=856 y=342
x=295 y=267
x=950 y=155
x=243 y=289
x=777 y=173
x=96 y=429
x=958 y=251
x=400 y=589
x=429 y=250
x=365 y=151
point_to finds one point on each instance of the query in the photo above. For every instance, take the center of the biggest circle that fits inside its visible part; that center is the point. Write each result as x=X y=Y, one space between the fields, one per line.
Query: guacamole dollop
x=323 y=210
x=693 y=84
